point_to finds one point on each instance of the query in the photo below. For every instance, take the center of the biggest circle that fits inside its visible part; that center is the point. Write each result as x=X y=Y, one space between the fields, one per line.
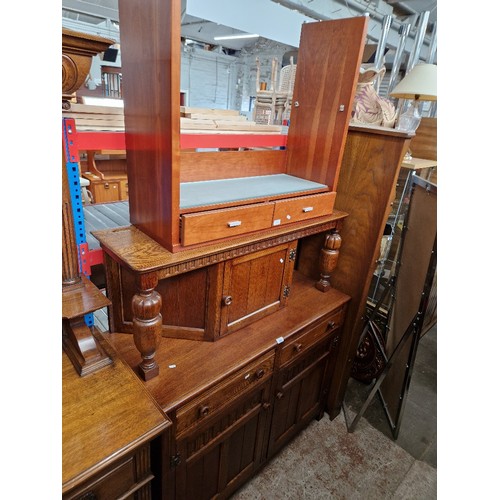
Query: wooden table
x=108 y=422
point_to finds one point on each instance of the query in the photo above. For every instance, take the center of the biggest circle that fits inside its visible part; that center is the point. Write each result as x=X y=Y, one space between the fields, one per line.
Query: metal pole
x=379 y=55
x=404 y=31
x=419 y=40
x=431 y=59
x=415 y=55
x=431 y=55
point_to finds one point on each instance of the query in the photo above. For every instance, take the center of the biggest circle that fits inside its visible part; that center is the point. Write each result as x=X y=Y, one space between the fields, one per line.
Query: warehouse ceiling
x=227 y=21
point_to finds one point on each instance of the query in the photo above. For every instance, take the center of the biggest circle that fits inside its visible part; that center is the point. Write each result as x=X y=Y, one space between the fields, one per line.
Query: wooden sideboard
x=231 y=312
x=237 y=401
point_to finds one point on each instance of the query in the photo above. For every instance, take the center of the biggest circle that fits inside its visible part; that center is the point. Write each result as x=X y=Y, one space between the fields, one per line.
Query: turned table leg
x=328 y=258
x=147 y=321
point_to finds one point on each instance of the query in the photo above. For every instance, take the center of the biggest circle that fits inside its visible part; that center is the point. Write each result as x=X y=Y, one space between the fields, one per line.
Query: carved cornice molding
x=243 y=250
x=77 y=52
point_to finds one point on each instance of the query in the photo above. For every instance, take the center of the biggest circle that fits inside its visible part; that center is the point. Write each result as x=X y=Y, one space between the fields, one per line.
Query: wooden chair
x=271 y=105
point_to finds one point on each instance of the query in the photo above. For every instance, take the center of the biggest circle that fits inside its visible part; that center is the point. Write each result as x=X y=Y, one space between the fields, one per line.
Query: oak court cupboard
x=220 y=299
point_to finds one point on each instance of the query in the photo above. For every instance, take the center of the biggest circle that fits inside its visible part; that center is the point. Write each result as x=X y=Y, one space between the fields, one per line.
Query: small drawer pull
x=204 y=411
x=106 y=185
x=297 y=347
x=227 y=300
x=332 y=325
x=260 y=373
x=266 y=405
x=234 y=223
x=308 y=209
x=279 y=395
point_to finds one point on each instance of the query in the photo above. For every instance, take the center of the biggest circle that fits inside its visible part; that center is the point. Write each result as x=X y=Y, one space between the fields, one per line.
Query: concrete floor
x=327 y=462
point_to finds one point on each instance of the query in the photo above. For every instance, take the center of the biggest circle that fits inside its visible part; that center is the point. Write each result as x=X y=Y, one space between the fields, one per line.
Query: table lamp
x=420 y=84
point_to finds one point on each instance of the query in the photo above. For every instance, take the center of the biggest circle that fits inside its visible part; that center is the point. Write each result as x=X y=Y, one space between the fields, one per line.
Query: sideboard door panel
x=255 y=285
x=299 y=396
x=219 y=456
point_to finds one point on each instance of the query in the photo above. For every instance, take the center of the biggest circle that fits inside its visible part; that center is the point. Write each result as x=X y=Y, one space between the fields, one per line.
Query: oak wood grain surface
x=82 y=299
x=366 y=188
x=135 y=250
x=189 y=367
x=105 y=415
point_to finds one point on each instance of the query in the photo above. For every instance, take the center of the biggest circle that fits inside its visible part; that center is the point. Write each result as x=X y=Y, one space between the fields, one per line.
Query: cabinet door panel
x=310 y=393
x=240 y=449
x=254 y=286
x=218 y=457
x=203 y=475
x=298 y=397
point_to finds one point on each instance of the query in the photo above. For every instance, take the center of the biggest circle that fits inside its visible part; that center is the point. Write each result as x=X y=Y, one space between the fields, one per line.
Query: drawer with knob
x=224 y=223
x=295 y=346
x=303 y=208
x=209 y=403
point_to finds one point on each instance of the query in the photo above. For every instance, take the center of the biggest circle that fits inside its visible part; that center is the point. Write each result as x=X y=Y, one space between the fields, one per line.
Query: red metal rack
x=108 y=140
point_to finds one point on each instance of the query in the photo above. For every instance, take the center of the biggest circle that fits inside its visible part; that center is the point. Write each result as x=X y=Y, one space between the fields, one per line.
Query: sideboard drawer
x=224 y=223
x=120 y=481
x=303 y=207
x=226 y=391
x=294 y=347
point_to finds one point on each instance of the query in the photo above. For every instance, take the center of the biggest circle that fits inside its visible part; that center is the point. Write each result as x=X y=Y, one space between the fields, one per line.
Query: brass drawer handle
x=234 y=223
x=260 y=373
x=332 y=325
x=106 y=185
x=307 y=209
x=266 y=405
x=279 y=395
x=204 y=411
x=227 y=300
x=297 y=347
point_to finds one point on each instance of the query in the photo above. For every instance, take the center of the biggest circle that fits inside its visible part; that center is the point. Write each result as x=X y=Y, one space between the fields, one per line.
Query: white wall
x=215 y=80
x=209 y=78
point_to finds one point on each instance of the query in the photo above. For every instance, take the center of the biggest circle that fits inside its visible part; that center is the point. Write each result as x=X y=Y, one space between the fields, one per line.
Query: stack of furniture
x=237 y=313
x=273 y=105
x=104 y=169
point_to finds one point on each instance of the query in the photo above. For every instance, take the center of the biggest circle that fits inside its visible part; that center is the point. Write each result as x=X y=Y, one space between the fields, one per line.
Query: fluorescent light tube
x=235 y=37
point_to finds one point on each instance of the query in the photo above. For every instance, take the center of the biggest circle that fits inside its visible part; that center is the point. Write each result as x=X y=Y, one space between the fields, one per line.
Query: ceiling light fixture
x=236 y=37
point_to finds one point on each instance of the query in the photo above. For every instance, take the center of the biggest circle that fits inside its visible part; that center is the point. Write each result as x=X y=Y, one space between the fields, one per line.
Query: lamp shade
x=420 y=84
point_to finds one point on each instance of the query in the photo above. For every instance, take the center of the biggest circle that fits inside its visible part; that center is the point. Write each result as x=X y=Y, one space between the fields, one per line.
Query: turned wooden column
x=77 y=52
x=328 y=259
x=147 y=320
x=79 y=296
